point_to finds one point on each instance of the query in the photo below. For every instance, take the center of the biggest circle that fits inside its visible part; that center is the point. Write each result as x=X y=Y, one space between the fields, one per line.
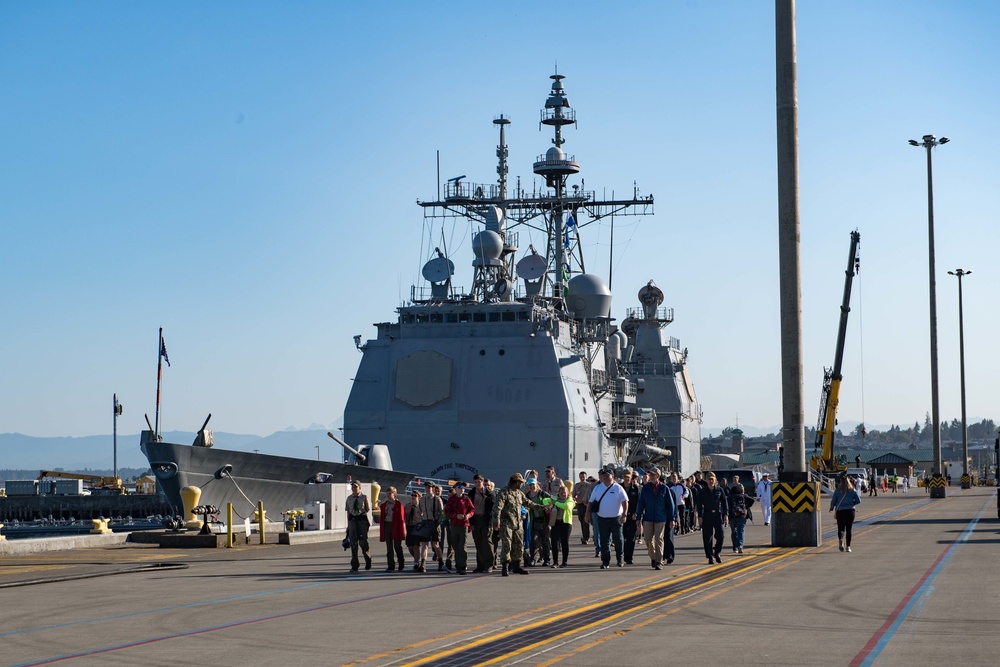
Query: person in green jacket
x=563 y=507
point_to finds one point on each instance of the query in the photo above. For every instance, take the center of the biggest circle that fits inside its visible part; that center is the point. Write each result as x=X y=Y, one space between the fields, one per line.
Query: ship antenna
x=556 y=167
x=502 y=154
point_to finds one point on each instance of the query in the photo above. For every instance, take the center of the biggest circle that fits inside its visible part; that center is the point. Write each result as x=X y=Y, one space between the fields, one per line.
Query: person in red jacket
x=459 y=509
x=392 y=529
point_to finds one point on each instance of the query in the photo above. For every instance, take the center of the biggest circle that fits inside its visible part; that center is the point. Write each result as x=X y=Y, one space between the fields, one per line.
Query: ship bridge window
x=451 y=318
x=508 y=316
x=494 y=317
x=479 y=317
x=463 y=317
x=524 y=316
x=437 y=317
x=422 y=319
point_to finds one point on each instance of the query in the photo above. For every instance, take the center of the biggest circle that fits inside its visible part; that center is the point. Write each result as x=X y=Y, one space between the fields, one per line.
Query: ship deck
x=917 y=589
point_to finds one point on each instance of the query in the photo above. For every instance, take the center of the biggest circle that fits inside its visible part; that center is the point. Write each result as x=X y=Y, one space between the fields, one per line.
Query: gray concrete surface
x=918 y=588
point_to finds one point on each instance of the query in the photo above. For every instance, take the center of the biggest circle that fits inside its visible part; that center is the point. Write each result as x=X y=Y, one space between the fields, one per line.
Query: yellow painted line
x=632 y=586
x=652 y=619
x=24 y=569
x=545 y=621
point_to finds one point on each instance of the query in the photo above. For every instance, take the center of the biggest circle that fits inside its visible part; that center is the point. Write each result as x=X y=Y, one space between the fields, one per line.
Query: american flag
x=163 y=351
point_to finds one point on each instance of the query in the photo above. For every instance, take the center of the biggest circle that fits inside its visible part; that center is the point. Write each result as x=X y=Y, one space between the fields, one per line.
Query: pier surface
x=920 y=587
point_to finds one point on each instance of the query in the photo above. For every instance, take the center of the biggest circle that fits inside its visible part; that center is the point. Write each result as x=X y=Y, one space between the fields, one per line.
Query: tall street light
x=929 y=141
x=966 y=480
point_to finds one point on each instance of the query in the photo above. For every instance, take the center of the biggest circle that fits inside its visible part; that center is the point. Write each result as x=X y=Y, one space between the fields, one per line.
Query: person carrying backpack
x=739 y=509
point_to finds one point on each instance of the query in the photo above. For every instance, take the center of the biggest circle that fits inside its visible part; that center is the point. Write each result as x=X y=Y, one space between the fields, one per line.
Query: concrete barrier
x=65 y=543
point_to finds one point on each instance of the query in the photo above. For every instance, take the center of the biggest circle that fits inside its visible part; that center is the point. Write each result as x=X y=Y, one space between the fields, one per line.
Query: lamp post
x=114 y=437
x=929 y=141
x=317 y=452
x=966 y=480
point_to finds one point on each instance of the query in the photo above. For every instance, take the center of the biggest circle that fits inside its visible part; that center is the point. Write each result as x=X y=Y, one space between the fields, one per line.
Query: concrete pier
x=916 y=589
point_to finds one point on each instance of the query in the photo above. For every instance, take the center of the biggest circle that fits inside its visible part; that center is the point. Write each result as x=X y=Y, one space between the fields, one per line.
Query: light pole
x=966 y=481
x=317 y=452
x=114 y=437
x=929 y=141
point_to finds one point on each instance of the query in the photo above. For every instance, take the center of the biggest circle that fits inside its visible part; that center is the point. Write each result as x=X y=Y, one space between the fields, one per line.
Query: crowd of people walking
x=529 y=522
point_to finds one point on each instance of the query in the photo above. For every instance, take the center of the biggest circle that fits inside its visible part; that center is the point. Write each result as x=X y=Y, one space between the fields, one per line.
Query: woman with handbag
x=844 y=500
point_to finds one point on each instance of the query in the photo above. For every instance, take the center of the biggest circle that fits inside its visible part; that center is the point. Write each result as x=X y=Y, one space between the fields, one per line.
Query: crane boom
x=823 y=458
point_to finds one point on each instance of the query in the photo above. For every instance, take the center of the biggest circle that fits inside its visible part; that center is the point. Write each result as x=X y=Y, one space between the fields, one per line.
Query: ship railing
x=460 y=190
x=648 y=368
x=661 y=314
x=565 y=113
x=426 y=294
x=630 y=423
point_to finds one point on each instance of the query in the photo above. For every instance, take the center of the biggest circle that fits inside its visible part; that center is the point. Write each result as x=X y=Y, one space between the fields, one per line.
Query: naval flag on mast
x=163 y=349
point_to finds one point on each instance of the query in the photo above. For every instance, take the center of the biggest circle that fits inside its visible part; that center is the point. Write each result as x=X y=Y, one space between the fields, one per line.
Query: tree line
x=914 y=436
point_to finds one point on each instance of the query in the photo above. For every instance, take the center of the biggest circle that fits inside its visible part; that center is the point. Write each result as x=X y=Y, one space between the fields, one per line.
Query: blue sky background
x=244 y=174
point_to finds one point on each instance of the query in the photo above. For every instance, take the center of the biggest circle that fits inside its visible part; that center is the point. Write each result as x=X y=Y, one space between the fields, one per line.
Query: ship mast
x=555 y=211
x=556 y=167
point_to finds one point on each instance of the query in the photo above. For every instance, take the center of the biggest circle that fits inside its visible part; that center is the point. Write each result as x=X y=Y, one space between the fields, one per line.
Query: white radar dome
x=588 y=296
x=487 y=245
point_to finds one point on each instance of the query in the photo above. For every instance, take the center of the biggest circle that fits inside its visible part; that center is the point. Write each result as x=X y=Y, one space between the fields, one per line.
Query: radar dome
x=588 y=296
x=554 y=154
x=487 y=245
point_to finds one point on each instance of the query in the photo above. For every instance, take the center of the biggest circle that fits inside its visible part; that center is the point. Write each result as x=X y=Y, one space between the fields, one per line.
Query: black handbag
x=595 y=505
x=423 y=531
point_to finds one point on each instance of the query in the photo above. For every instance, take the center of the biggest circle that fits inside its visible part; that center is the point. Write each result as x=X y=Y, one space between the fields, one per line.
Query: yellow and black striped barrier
x=794 y=497
x=938 y=486
x=966 y=481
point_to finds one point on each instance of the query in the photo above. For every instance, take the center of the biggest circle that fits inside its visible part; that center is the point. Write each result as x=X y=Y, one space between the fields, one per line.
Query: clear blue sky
x=244 y=174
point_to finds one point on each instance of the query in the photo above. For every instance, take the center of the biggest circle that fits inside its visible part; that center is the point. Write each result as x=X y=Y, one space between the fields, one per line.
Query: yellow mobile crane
x=823 y=458
x=100 y=483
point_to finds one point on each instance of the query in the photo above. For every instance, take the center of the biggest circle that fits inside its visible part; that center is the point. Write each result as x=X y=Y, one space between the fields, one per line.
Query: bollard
x=100 y=527
x=2 y=536
x=229 y=525
x=260 y=519
x=190 y=495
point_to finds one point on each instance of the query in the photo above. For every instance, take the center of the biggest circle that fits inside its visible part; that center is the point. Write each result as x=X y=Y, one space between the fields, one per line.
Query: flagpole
x=159 y=375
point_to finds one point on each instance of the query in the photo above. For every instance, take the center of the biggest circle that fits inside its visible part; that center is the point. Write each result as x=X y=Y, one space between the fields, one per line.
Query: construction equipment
x=98 y=483
x=823 y=458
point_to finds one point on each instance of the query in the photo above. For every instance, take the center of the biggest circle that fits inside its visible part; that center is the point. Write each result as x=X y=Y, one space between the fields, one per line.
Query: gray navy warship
x=527 y=368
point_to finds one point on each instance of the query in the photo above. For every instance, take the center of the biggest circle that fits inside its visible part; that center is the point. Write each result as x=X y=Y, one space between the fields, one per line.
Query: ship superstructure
x=526 y=368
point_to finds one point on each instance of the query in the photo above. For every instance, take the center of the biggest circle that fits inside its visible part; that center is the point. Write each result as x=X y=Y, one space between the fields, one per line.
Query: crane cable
x=861 y=336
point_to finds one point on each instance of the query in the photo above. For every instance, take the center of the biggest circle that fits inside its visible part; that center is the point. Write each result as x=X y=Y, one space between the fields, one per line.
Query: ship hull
x=277 y=481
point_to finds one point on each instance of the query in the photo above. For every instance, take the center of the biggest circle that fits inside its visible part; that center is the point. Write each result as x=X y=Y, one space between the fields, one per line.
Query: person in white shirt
x=612 y=501
x=764 y=497
x=680 y=493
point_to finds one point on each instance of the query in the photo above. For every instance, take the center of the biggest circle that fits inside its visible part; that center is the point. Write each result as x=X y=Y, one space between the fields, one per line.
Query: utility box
x=334 y=496
x=315 y=516
x=69 y=487
x=21 y=487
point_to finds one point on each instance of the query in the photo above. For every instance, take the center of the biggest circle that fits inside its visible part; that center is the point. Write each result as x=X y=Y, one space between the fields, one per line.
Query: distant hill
x=18 y=451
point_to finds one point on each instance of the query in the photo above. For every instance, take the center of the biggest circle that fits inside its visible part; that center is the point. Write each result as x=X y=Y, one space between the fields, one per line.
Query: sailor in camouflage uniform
x=507 y=522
